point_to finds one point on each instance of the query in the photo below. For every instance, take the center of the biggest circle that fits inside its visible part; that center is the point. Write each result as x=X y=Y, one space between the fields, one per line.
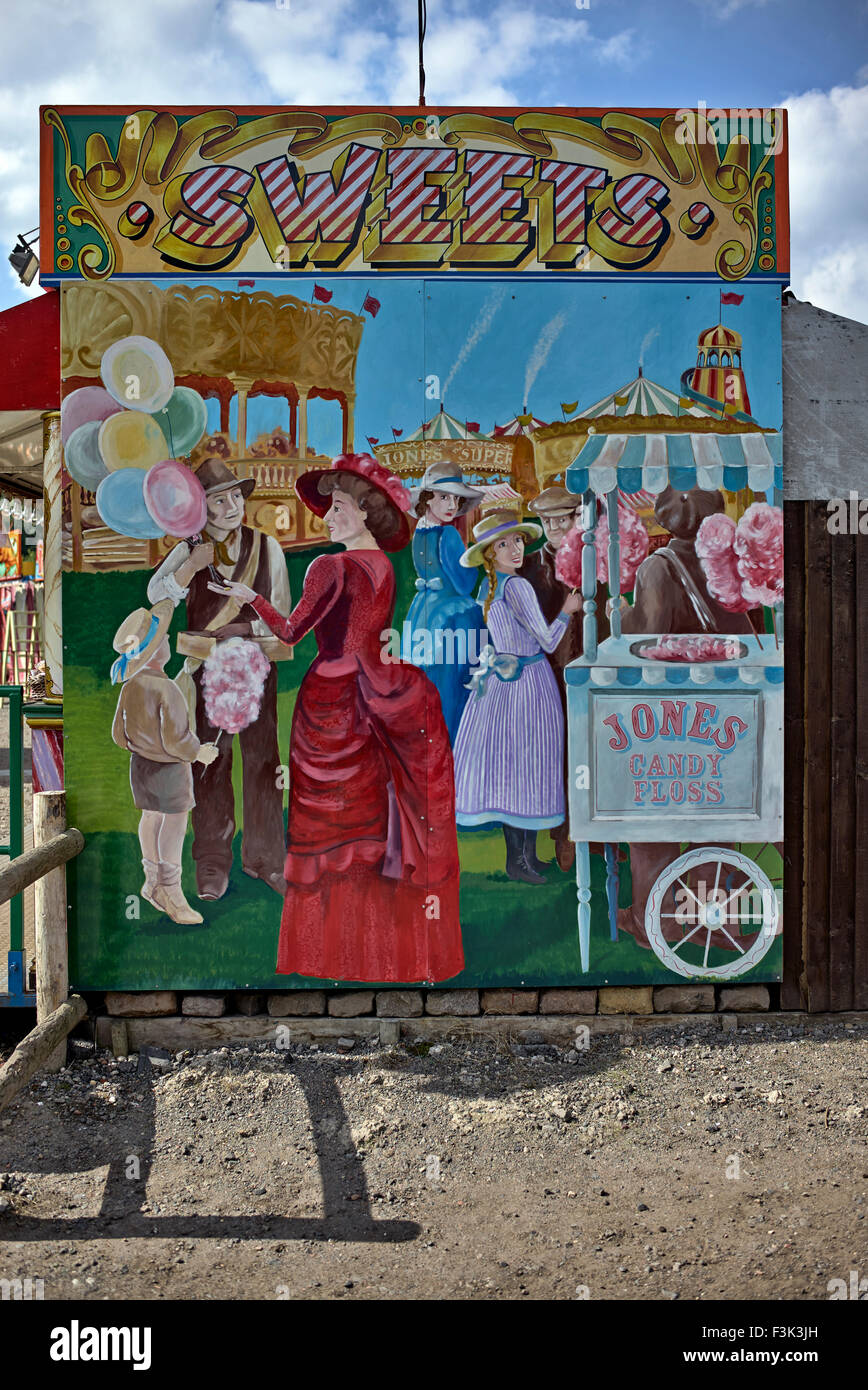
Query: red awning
x=30 y=354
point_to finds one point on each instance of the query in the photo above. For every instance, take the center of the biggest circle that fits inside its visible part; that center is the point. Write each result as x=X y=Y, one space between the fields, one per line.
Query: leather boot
x=212 y=879
x=538 y=865
x=170 y=897
x=151 y=868
x=273 y=877
x=517 y=866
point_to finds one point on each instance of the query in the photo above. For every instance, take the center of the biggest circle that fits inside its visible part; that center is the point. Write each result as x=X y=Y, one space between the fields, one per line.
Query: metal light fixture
x=23 y=259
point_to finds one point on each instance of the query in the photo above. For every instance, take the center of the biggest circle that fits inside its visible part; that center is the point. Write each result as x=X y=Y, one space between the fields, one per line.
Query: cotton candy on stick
x=233 y=679
x=568 y=558
x=759 y=548
x=714 y=545
x=717 y=548
x=633 y=547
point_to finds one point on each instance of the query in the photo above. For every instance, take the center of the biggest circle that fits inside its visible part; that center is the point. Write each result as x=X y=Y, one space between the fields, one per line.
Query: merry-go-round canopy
x=651 y=461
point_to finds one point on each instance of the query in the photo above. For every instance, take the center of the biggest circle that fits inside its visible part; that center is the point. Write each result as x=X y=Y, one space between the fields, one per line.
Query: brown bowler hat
x=216 y=476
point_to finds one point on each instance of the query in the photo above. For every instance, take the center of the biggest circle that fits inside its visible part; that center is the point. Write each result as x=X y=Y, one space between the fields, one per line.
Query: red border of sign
x=782 y=198
x=46 y=149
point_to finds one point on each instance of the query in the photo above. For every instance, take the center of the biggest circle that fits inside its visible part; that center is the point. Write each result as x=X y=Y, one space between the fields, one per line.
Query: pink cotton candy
x=702 y=647
x=714 y=545
x=759 y=548
x=633 y=547
x=233 y=679
x=568 y=559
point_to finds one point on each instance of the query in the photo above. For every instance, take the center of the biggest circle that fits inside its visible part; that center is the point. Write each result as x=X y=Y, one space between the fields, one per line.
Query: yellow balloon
x=133 y=441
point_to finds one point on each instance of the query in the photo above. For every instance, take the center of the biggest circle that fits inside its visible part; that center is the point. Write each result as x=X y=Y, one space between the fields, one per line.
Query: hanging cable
x=423 y=25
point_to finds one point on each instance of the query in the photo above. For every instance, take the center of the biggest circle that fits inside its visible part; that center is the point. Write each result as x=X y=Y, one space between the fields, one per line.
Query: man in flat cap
x=556 y=509
x=244 y=554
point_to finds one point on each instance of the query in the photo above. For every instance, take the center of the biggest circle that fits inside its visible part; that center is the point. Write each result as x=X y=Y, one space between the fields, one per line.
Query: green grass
x=513 y=933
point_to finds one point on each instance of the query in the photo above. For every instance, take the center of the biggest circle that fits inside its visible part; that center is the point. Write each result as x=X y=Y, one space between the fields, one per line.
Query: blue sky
x=811 y=57
x=557 y=342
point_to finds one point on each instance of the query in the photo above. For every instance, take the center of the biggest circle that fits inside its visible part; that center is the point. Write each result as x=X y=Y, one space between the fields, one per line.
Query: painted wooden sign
x=150 y=193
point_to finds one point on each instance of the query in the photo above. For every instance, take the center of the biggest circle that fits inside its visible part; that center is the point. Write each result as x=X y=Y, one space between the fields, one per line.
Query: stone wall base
x=181 y=1031
x=416 y=1003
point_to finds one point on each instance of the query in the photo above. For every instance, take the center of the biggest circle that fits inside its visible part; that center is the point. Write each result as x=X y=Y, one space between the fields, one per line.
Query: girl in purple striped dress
x=509 y=747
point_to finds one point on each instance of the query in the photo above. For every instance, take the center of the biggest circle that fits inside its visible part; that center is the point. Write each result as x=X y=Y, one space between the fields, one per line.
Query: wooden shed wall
x=826 y=772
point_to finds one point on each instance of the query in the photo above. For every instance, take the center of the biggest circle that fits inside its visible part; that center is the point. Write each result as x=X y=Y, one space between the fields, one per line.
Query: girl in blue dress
x=441 y=633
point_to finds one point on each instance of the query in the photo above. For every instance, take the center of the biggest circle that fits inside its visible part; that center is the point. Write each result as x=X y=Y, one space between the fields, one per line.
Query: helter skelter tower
x=718 y=373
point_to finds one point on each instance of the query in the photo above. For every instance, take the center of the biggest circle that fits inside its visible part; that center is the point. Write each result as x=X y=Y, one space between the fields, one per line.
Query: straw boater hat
x=492 y=528
x=216 y=476
x=366 y=467
x=138 y=637
x=446 y=477
x=555 y=501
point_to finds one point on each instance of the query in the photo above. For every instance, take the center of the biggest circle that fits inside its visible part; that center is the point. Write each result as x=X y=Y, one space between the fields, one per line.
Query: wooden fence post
x=52 y=965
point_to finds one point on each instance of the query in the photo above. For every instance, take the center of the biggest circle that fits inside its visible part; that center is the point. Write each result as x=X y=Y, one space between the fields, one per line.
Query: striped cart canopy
x=651 y=462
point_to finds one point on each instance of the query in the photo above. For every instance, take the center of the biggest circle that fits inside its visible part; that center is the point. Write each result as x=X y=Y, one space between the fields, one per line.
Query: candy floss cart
x=683 y=747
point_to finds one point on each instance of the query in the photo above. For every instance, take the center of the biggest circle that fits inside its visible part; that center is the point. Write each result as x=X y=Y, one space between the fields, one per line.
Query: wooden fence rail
x=40 y=860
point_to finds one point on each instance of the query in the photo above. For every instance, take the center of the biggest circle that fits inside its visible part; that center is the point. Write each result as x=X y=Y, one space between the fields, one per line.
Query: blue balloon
x=120 y=501
x=82 y=456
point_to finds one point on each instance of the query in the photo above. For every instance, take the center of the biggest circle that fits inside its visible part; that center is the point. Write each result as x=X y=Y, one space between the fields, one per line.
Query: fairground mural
x=422 y=630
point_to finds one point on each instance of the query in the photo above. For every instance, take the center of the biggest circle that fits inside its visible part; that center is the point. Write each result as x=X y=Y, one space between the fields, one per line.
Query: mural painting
x=422 y=632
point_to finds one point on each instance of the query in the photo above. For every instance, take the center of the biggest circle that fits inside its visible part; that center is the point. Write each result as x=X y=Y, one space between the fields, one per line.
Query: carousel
x=223 y=345
x=482 y=460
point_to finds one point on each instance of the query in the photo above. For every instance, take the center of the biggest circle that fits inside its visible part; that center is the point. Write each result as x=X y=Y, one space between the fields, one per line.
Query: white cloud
x=253 y=52
x=829 y=199
x=725 y=9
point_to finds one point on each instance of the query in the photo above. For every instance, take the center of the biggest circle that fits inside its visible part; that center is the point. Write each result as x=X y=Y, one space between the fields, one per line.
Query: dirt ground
x=687 y=1165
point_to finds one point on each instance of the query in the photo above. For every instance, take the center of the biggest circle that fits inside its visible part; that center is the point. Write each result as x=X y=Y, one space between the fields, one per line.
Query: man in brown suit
x=250 y=556
x=556 y=509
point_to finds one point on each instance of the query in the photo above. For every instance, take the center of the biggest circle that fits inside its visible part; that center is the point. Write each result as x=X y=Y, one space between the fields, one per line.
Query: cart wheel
x=746 y=918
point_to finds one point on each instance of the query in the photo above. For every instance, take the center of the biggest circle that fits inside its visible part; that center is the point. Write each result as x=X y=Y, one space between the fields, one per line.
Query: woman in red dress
x=372 y=856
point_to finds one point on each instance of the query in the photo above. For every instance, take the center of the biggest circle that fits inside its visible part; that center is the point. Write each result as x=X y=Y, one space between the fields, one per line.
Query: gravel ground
x=693 y=1165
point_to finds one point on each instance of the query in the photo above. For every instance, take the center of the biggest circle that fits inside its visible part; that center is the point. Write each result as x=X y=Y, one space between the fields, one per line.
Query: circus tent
x=518 y=425
x=644 y=397
x=443 y=426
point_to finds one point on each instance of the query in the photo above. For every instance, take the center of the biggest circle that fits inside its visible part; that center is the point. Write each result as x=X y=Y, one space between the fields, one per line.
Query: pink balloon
x=175 y=498
x=82 y=406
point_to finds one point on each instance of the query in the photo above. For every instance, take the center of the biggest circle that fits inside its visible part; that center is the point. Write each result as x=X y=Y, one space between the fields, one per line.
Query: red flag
x=321 y=294
x=499 y=430
x=730 y=298
x=371 y=440
x=397 y=433
x=249 y=283
x=472 y=425
x=371 y=306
